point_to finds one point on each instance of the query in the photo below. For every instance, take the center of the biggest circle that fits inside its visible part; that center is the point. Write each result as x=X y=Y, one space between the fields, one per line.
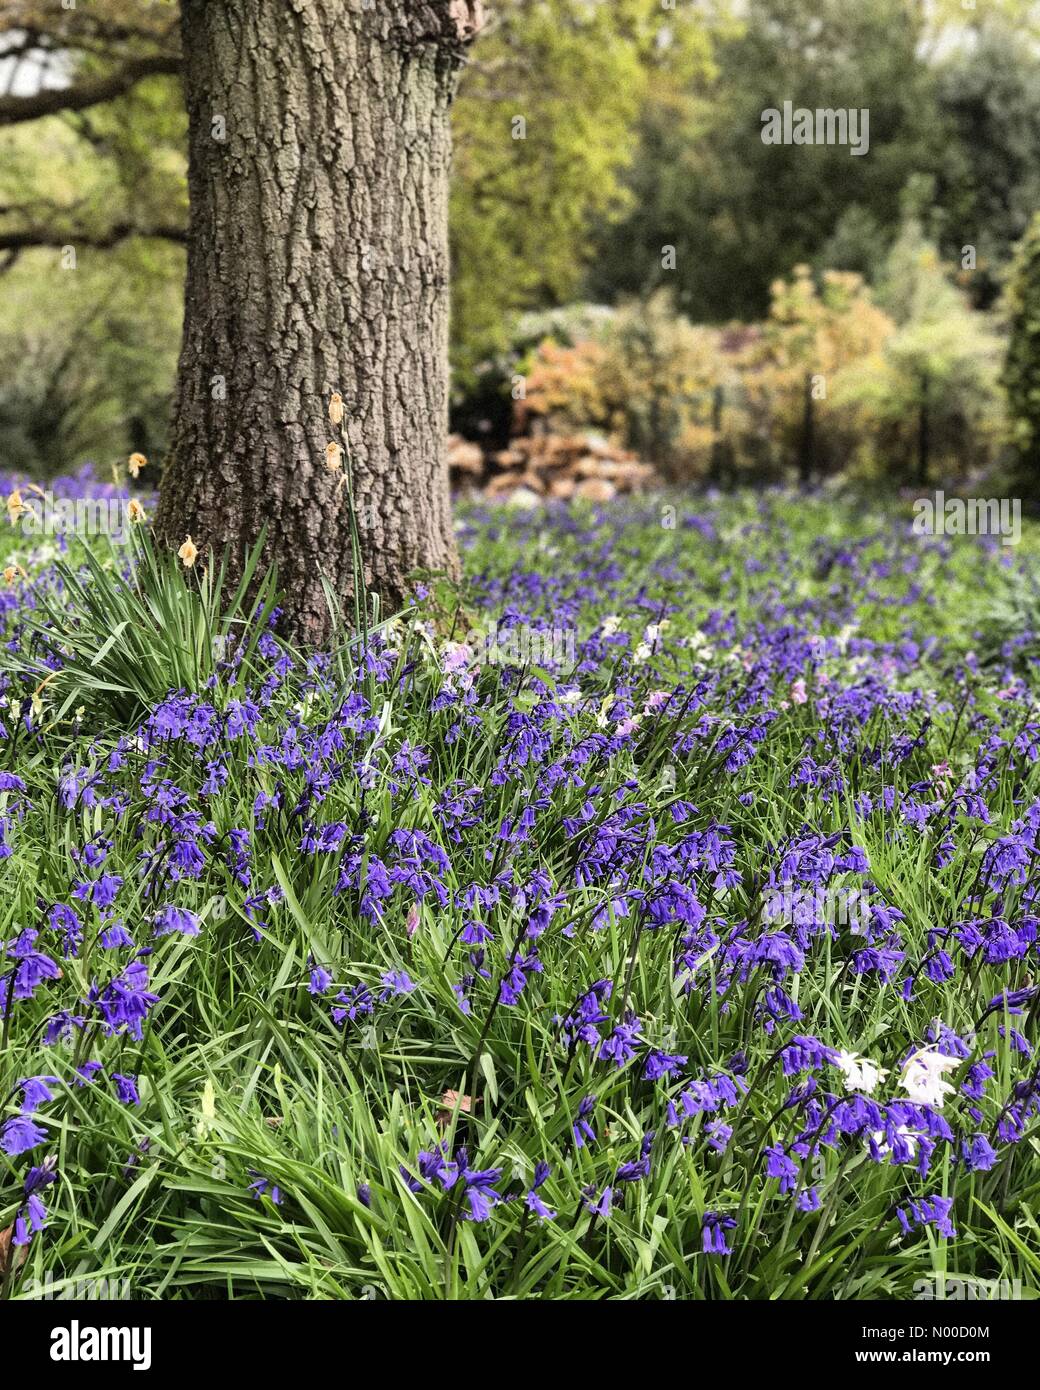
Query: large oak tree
x=319 y=150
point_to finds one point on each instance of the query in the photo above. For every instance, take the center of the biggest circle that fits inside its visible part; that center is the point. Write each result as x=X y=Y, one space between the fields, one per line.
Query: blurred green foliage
x=740 y=212
x=1022 y=369
x=605 y=150
x=90 y=318
x=929 y=407
x=87 y=357
x=545 y=125
x=897 y=382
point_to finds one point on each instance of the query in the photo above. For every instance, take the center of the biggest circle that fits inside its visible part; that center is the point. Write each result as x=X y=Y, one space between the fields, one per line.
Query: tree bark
x=319 y=149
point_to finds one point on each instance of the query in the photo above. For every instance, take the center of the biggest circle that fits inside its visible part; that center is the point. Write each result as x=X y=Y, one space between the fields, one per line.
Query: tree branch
x=90 y=92
x=95 y=241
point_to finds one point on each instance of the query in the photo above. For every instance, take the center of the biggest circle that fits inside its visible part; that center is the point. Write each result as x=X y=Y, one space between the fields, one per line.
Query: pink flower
x=798 y=694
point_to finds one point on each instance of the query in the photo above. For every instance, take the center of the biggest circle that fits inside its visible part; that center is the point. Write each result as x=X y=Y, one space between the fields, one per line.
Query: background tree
x=988 y=182
x=545 y=126
x=812 y=333
x=101 y=163
x=319 y=154
x=741 y=213
x=642 y=128
x=1022 y=368
x=85 y=376
x=926 y=408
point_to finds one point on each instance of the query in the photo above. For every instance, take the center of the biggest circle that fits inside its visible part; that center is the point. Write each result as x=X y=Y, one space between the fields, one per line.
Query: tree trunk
x=807 y=444
x=319 y=149
x=923 y=442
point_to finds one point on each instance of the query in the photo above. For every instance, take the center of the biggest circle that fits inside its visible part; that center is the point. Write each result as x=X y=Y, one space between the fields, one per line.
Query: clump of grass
x=114 y=632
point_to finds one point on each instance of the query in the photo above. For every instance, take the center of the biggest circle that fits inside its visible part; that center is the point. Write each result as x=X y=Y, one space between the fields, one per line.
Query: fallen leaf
x=450 y=1100
x=6 y=1257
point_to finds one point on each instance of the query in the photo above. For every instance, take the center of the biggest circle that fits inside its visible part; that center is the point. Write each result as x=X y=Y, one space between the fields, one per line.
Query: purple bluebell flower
x=172 y=918
x=261 y=1187
x=779 y=1165
x=719 y=1135
x=64 y=920
x=320 y=979
x=583 y=1024
x=599 y=1205
x=32 y=1216
x=713 y=1233
x=581 y=1128
x=513 y=984
x=396 y=982
x=36 y=1091
x=622 y=1044
x=535 y=1204
x=435 y=1164
x=480 y=1190
x=660 y=1064
x=806 y=1054
x=33 y=968
x=126 y=1088
x=125 y=1002
x=978 y=1154
x=357 y=1002
x=934 y=1210
x=19 y=1134
x=411 y=1181
x=637 y=1169
x=115 y=937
